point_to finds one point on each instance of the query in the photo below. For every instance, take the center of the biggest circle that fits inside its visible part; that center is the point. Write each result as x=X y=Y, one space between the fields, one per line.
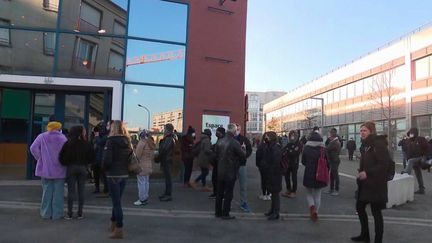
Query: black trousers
x=224 y=197
x=188 y=170
x=275 y=203
x=378 y=219
x=350 y=154
x=203 y=176
x=99 y=174
x=291 y=176
x=214 y=179
x=166 y=169
x=334 y=175
x=264 y=189
x=76 y=177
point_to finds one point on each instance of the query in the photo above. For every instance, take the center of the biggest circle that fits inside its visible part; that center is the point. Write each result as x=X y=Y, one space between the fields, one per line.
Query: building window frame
x=48 y=5
x=5 y=41
x=89 y=27
x=48 y=50
x=79 y=61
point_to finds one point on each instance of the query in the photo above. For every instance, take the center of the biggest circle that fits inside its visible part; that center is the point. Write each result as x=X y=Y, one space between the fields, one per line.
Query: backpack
x=322 y=172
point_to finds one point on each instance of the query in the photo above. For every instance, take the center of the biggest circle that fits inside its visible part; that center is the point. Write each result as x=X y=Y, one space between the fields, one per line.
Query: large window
x=423 y=67
x=156 y=19
x=85 y=55
x=150 y=62
x=49 y=43
x=115 y=64
x=51 y=5
x=4 y=33
x=168 y=109
x=90 y=18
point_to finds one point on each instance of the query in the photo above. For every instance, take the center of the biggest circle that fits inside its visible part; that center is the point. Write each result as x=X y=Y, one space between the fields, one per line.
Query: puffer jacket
x=229 y=156
x=374 y=161
x=310 y=156
x=145 y=153
x=116 y=154
x=205 y=152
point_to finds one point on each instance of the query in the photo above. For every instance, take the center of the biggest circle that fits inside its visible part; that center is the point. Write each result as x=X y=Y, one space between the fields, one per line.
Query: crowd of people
x=61 y=159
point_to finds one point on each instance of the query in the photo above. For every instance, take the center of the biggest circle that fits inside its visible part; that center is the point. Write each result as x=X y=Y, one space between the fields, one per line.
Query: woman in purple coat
x=45 y=149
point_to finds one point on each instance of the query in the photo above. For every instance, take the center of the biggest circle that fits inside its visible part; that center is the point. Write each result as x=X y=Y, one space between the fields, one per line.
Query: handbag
x=322 y=173
x=134 y=166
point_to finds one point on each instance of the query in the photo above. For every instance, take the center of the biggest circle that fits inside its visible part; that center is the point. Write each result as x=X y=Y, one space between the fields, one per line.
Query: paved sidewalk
x=190 y=216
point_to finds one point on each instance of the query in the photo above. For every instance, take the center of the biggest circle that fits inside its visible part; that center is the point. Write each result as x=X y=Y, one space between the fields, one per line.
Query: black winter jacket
x=244 y=140
x=76 y=153
x=351 y=145
x=310 y=157
x=374 y=160
x=229 y=154
x=166 y=149
x=187 y=143
x=273 y=170
x=115 y=159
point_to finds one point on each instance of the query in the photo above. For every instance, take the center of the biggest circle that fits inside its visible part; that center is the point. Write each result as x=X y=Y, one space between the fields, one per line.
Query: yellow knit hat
x=54 y=126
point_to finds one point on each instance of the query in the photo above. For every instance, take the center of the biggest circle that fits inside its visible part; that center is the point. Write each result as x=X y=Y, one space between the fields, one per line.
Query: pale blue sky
x=290 y=42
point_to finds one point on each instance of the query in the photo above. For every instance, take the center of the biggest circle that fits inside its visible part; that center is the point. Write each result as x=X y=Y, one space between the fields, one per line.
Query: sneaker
x=267 y=197
x=262 y=197
x=140 y=203
x=212 y=196
x=80 y=216
x=68 y=217
x=335 y=193
x=328 y=192
x=245 y=208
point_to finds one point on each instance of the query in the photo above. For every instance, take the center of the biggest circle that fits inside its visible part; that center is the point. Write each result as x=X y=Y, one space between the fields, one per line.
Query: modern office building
x=174 y=117
x=256 y=101
x=392 y=85
x=88 y=61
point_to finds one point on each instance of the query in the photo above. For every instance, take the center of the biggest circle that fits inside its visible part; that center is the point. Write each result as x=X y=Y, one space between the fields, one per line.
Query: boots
x=117 y=233
x=112 y=226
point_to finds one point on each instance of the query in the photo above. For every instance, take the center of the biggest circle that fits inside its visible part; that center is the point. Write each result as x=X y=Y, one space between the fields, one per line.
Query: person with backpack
x=76 y=154
x=417 y=149
x=204 y=157
x=262 y=166
x=291 y=153
x=314 y=152
x=273 y=172
x=372 y=180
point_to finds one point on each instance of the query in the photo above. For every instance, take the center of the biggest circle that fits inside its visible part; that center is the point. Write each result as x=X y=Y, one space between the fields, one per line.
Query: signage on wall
x=212 y=122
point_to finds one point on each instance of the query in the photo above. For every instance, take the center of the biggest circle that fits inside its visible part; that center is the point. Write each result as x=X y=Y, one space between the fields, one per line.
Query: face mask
x=411 y=135
x=237 y=132
x=292 y=137
x=193 y=134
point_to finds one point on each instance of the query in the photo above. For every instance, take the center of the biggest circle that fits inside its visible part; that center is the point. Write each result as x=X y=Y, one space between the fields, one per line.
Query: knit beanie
x=190 y=130
x=52 y=126
x=221 y=130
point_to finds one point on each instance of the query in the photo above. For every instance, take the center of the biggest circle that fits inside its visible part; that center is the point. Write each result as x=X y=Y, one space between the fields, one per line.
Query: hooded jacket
x=115 y=159
x=374 y=161
x=310 y=157
x=145 y=153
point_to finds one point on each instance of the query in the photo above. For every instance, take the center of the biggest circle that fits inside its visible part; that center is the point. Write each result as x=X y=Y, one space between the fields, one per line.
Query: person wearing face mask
x=245 y=143
x=292 y=151
x=220 y=133
x=417 y=148
x=187 y=143
x=166 y=152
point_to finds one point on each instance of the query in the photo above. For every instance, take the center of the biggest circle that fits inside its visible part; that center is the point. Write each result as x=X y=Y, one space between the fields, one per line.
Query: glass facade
x=144 y=48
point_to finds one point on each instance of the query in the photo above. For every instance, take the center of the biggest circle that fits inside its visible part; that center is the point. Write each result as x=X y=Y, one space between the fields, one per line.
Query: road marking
x=348 y=176
x=163 y=213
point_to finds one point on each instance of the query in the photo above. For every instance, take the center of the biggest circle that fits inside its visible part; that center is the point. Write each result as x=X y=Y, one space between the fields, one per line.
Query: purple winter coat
x=46 y=149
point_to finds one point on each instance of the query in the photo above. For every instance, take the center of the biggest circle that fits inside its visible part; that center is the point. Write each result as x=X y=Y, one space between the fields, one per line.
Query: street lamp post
x=148 y=113
x=322 y=110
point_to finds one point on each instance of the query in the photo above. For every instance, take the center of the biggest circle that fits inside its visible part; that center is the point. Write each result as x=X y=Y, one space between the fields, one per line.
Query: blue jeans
x=243 y=184
x=116 y=187
x=52 y=198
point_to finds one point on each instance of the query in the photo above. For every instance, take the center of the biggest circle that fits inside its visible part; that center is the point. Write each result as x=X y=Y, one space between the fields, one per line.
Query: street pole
x=148 y=113
x=322 y=110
